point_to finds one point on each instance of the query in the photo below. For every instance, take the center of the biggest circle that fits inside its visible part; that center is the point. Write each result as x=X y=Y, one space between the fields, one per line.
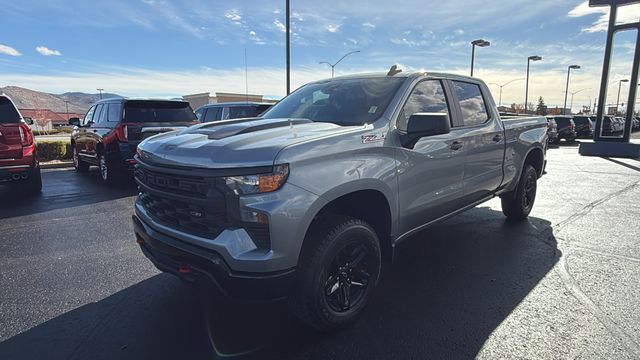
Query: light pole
x=526 y=87
x=503 y=85
x=474 y=43
x=566 y=91
x=573 y=93
x=66 y=104
x=333 y=66
x=101 y=90
x=288 y=46
x=618 y=100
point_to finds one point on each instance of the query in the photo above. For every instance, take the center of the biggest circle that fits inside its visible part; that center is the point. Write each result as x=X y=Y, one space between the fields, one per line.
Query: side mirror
x=420 y=125
x=28 y=120
x=74 y=121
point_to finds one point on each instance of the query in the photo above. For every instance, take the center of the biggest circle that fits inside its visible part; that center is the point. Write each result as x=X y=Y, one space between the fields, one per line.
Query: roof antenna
x=394 y=70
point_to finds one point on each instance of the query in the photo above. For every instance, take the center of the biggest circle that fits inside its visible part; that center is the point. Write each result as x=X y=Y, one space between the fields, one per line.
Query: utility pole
x=474 y=43
x=66 y=104
x=101 y=90
x=566 y=91
x=526 y=87
x=333 y=66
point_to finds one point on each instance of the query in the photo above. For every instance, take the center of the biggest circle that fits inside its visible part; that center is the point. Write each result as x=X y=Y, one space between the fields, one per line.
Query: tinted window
x=212 y=114
x=237 y=112
x=102 y=117
x=158 y=111
x=96 y=115
x=89 y=116
x=8 y=113
x=342 y=102
x=114 y=113
x=262 y=108
x=562 y=122
x=581 y=120
x=199 y=113
x=474 y=110
x=427 y=96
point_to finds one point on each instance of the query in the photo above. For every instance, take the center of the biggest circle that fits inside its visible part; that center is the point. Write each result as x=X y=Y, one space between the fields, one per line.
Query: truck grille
x=194 y=205
x=180 y=215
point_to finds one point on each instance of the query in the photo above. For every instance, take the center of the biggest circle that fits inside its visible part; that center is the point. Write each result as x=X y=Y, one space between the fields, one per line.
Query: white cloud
x=252 y=33
x=45 y=51
x=233 y=15
x=460 y=32
x=8 y=50
x=333 y=28
x=279 y=25
x=626 y=14
x=368 y=25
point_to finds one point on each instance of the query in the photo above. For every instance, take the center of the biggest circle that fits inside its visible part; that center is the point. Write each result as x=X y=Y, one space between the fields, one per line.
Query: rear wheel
x=517 y=205
x=34 y=182
x=337 y=275
x=106 y=171
x=78 y=164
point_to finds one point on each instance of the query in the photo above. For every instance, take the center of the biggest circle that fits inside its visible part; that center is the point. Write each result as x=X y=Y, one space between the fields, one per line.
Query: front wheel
x=517 y=205
x=337 y=274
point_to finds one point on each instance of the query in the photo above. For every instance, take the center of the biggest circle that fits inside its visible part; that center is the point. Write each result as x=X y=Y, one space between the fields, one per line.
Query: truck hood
x=233 y=143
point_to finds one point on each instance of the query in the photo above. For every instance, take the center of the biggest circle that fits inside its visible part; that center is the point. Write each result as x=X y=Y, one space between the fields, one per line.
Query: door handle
x=456 y=145
x=497 y=138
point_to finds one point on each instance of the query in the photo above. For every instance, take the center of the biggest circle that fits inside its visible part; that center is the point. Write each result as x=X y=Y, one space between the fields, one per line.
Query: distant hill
x=30 y=99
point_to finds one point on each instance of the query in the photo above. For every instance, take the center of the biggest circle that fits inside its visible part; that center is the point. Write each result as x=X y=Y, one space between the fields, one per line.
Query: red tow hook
x=184 y=269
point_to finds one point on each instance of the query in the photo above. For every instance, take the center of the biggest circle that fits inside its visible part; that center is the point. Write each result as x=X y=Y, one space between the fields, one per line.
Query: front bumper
x=207 y=268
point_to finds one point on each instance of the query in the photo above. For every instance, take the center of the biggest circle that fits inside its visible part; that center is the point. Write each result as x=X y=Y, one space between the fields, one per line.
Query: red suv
x=18 y=163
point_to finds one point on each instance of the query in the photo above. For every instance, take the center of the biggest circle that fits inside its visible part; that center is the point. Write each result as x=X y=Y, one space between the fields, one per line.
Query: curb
x=56 y=165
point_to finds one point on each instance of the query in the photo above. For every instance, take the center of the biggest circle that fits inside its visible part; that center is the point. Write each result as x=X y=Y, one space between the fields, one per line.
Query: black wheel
x=106 y=171
x=78 y=164
x=337 y=275
x=34 y=182
x=517 y=205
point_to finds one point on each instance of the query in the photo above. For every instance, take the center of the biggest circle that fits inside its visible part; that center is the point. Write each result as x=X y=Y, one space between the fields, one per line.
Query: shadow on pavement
x=449 y=288
x=62 y=189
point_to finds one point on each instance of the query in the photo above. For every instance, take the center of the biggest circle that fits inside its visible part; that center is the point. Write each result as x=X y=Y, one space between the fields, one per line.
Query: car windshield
x=158 y=111
x=342 y=102
x=562 y=121
x=8 y=113
x=580 y=120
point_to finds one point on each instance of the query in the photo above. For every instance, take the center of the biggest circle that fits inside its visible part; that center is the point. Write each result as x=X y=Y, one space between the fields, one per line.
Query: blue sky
x=171 y=48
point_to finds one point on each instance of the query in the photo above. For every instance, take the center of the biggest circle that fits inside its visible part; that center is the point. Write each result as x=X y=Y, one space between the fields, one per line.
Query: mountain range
x=79 y=102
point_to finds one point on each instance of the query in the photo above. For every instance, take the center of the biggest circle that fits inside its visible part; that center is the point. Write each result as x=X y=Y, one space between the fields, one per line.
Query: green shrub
x=53 y=150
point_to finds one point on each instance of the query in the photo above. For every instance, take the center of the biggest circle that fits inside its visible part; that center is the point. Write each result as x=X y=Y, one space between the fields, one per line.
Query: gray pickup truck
x=307 y=202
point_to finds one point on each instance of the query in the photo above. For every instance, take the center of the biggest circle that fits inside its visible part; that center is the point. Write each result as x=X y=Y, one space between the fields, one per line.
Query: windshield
x=8 y=113
x=342 y=102
x=158 y=111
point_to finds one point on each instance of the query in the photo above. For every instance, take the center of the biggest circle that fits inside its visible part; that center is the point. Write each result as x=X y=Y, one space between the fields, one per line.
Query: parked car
x=231 y=110
x=112 y=129
x=636 y=124
x=584 y=126
x=552 y=130
x=307 y=201
x=566 y=128
x=18 y=161
x=610 y=126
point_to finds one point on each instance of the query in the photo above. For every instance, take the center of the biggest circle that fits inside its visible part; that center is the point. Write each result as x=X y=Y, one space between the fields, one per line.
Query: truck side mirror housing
x=28 y=120
x=74 y=121
x=420 y=125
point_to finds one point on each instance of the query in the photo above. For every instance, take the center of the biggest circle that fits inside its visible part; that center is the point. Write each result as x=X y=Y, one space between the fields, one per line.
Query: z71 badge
x=372 y=137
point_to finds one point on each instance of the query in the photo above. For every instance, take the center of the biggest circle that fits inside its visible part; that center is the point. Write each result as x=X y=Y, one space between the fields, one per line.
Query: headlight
x=260 y=183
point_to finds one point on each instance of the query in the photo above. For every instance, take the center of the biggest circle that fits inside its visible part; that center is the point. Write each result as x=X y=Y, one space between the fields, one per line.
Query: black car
x=611 y=126
x=584 y=126
x=110 y=132
x=231 y=110
x=566 y=128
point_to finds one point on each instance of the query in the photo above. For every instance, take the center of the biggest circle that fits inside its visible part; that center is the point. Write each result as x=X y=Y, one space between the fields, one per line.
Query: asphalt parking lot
x=562 y=285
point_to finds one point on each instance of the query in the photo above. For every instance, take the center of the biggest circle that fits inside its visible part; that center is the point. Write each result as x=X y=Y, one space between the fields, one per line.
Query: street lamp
x=619 y=86
x=474 y=43
x=333 y=66
x=503 y=85
x=566 y=91
x=101 y=90
x=573 y=93
x=526 y=88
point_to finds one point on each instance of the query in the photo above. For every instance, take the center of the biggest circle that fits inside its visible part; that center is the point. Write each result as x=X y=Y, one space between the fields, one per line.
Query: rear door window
x=102 y=118
x=238 y=112
x=8 y=112
x=212 y=114
x=115 y=111
x=89 y=116
x=158 y=112
x=474 y=109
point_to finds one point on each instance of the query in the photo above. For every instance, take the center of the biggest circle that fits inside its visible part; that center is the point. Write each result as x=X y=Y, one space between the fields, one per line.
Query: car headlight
x=260 y=183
